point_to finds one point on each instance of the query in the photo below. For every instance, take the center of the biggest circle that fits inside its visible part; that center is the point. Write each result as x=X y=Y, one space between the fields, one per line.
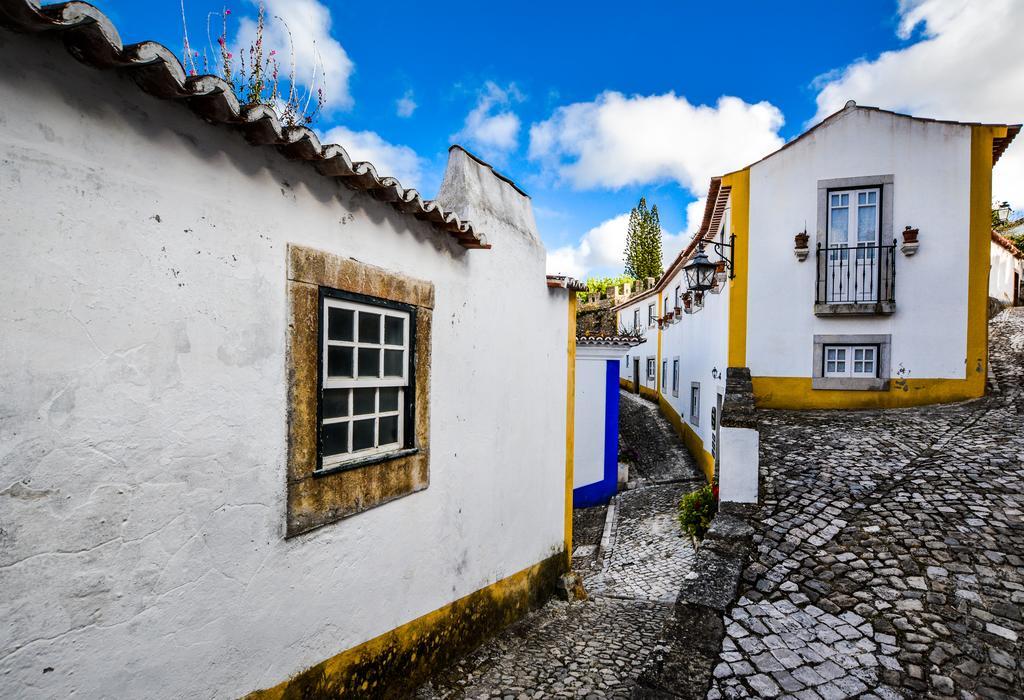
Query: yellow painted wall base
x=649 y=393
x=692 y=441
x=396 y=662
x=796 y=393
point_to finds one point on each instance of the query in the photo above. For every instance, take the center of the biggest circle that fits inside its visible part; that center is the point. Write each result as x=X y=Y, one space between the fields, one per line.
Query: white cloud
x=492 y=127
x=393 y=160
x=604 y=245
x=320 y=61
x=966 y=66
x=405 y=105
x=616 y=141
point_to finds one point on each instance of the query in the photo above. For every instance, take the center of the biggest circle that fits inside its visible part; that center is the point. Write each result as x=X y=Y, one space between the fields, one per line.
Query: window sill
x=365 y=461
x=849 y=384
x=879 y=308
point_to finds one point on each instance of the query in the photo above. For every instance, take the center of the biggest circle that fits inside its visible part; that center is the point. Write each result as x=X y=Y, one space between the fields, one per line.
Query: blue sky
x=701 y=88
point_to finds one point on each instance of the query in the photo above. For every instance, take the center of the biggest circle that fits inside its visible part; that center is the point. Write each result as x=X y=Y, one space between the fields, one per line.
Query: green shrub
x=696 y=510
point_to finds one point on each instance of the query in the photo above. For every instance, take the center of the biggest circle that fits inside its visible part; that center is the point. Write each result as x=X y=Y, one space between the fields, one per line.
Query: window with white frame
x=651 y=369
x=650 y=314
x=366 y=378
x=675 y=376
x=851 y=361
x=695 y=403
x=636 y=318
x=665 y=310
x=677 y=298
x=664 y=375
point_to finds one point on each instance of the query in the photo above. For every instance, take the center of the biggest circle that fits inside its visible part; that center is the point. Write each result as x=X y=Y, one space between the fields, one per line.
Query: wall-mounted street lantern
x=1003 y=212
x=700 y=272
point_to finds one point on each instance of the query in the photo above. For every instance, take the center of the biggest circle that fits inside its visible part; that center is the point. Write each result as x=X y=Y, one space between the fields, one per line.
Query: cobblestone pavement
x=648 y=441
x=890 y=550
x=595 y=648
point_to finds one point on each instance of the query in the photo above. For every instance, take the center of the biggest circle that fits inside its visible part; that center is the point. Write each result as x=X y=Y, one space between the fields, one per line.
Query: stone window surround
x=315 y=499
x=879 y=383
x=886 y=184
x=695 y=416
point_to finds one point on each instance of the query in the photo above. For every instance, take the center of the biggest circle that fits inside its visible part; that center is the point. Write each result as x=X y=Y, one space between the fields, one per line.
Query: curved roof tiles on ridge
x=93 y=39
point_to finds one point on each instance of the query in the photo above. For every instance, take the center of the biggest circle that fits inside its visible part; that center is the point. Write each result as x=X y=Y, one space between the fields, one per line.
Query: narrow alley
x=596 y=648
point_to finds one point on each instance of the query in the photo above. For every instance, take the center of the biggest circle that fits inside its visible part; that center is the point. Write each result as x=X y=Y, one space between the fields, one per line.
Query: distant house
x=270 y=420
x=1006 y=273
x=855 y=277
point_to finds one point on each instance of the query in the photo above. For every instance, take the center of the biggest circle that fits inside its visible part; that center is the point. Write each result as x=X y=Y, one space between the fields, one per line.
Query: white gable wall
x=930 y=163
x=1001 y=273
x=143 y=412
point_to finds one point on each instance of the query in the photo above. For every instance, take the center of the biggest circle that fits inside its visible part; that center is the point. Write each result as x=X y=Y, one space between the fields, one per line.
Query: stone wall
x=594 y=312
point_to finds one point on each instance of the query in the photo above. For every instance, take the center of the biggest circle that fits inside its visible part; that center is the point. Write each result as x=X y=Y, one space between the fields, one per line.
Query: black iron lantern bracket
x=729 y=261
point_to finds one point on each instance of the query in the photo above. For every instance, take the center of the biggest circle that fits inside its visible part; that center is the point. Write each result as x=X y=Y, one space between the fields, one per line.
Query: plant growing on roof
x=255 y=75
x=643 y=242
x=597 y=286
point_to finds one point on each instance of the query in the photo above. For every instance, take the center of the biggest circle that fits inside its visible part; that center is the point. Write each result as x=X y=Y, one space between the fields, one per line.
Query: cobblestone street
x=596 y=648
x=890 y=550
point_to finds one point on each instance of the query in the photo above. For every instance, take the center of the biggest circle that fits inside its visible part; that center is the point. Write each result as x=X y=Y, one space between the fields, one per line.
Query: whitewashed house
x=596 y=423
x=1006 y=273
x=855 y=276
x=256 y=425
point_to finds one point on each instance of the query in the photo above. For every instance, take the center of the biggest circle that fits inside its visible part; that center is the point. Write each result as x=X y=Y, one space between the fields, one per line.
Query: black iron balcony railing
x=856 y=274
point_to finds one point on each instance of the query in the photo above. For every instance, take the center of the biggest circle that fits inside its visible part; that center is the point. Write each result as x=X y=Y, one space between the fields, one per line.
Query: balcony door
x=853 y=246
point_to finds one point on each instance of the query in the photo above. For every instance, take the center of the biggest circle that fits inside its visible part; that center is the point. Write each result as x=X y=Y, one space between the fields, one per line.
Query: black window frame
x=408 y=446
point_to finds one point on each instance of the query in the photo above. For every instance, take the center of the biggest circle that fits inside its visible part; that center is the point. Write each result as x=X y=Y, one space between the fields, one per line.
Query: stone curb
x=681 y=664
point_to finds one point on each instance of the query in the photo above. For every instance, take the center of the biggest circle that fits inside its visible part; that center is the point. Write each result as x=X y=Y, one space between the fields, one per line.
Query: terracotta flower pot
x=910 y=235
x=801 y=240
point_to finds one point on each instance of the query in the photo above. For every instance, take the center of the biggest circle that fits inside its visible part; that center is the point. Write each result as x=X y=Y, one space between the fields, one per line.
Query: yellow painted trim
x=690 y=438
x=796 y=393
x=657 y=366
x=740 y=216
x=570 y=425
x=978 y=271
x=648 y=392
x=405 y=656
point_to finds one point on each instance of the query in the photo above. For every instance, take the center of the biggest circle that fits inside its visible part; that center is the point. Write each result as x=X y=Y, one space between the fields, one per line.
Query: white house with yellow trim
x=1006 y=272
x=856 y=276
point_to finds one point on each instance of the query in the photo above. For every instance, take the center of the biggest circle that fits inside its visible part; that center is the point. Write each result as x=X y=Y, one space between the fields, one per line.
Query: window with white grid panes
x=365 y=380
x=851 y=361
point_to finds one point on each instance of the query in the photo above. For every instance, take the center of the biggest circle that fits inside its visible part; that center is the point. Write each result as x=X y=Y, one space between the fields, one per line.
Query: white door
x=852 y=263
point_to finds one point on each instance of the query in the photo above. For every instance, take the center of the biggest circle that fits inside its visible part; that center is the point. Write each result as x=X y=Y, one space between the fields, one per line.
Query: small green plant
x=696 y=510
x=596 y=286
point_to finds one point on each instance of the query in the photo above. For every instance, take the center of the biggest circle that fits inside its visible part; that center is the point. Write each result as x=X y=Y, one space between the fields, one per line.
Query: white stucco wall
x=143 y=412
x=648 y=331
x=588 y=435
x=1001 y=273
x=930 y=163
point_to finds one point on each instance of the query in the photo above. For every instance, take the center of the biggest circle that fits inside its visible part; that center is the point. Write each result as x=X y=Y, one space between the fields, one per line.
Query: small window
x=651 y=368
x=365 y=372
x=636 y=318
x=664 y=375
x=675 y=376
x=650 y=315
x=665 y=311
x=859 y=361
x=695 y=403
x=677 y=304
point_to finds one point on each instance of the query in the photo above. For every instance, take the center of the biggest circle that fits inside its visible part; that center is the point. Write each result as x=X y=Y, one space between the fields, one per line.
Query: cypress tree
x=643 y=242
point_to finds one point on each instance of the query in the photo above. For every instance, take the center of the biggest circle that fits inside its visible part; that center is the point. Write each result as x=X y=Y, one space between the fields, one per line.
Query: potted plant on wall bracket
x=718 y=281
x=800 y=245
x=910 y=243
x=688 y=302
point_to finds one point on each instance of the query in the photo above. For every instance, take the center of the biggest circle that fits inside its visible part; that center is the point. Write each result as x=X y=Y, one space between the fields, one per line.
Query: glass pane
x=362 y=434
x=840 y=366
x=831 y=366
x=394 y=330
x=335 y=404
x=334 y=439
x=339 y=323
x=866 y=228
x=858 y=367
x=831 y=353
x=369 y=362
x=839 y=232
x=339 y=361
x=389 y=399
x=369 y=327
x=393 y=363
x=364 y=401
x=388 y=430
